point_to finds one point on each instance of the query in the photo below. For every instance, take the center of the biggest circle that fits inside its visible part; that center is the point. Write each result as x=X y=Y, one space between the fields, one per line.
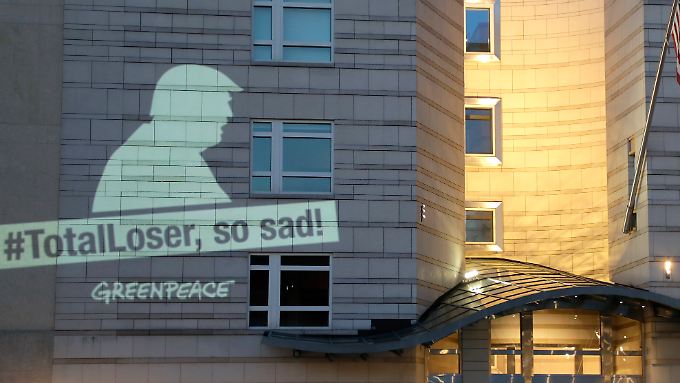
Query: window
x=289 y=291
x=292 y=30
x=442 y=360
x=292 y=157
x=506 y=348
x=566 y=342
x=482 y=30
x=482 y=131
x=478 y=131
x=479 y=226
x=478 y=30
x=483 y=228
x=627 y=345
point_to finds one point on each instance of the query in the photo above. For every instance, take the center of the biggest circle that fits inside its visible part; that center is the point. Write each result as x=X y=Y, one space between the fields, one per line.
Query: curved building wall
x=440 y=235
x=552 y=180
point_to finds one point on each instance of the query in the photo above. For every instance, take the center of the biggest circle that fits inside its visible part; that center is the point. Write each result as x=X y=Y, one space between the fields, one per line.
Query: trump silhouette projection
x=160 y=165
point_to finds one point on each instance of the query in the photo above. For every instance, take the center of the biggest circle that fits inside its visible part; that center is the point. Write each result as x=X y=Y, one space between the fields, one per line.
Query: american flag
x=676 y=39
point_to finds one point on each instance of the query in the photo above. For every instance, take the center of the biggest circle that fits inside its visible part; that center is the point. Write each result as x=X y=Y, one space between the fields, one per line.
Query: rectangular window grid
x=479 y=226
x=293 y=30
x=479 y=131
x=478 y=30
x=292 y=157
x=289 y=291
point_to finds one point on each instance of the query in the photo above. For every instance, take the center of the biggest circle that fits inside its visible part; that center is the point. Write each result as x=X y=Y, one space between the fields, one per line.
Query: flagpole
x=642 y=154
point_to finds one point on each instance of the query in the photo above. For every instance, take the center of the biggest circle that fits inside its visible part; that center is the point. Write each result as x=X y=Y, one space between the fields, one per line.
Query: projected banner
x=158 y=196
x=76 y=241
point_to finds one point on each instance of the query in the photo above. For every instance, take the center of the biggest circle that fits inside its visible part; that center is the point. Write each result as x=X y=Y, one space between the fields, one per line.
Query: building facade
x=325 y=167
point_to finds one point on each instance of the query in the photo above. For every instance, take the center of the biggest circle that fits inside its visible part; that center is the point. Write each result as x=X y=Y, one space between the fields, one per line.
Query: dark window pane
x=306 y=54
x=258 y=319
x=262 y=52
x=259 y=287
x=262 y=126
x=262 y=154
x=307 y=184
x=477 y=31
x=306 y=128
x=307 y=25
x=304 y=288
x=478 y=131
x=262 y=23
x=261 y=184
x=304 y=260
x=478 y=226
x=260 y=260
x=304 y=319
x=306 y=154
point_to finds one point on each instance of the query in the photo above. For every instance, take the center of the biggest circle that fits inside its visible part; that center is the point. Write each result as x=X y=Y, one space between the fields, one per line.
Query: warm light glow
x=443 y=352
x=471 y=274
x=485 y=160
x=668 y=266
x=482 y=58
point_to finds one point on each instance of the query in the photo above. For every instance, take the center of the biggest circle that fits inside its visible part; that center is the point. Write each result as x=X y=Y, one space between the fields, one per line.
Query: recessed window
x=289 y=291
x=482 y=131
x=482 y=39
x=478 y=30
x=483 y=226
x=478 y=130
x=479 y=226
x=296 y=31
x=292 y=157
x=442 y=359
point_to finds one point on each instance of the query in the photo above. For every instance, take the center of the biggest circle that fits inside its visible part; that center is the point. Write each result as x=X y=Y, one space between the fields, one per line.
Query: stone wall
x=114 y=53
x=440 y=181
x=663 y=167
x=625 y=119
x=30 y=118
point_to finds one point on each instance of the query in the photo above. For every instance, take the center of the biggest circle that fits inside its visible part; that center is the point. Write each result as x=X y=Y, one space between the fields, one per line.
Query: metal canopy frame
x=499 y=287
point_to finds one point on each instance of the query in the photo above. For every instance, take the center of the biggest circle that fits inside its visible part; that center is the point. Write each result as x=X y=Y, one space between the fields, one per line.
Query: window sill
x=489 y=161
x=293 y=64
x=482 y=57
x=471 y=248
x=322 y=196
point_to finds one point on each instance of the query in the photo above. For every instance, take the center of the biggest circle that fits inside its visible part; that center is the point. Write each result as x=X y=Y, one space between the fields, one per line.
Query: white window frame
x=497 y=244
x=276 y=171
x=277 y=42
x=495 y=158
x=494 y=8
x=274 y=307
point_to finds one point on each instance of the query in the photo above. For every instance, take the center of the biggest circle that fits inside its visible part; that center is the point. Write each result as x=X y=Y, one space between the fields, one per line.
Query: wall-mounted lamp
x=668 y=267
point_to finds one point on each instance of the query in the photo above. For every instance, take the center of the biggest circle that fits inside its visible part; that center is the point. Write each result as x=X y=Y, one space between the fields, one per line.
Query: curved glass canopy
x=492 y=286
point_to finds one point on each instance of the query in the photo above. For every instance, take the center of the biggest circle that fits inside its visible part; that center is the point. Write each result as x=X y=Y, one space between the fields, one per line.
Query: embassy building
x=265 y=191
